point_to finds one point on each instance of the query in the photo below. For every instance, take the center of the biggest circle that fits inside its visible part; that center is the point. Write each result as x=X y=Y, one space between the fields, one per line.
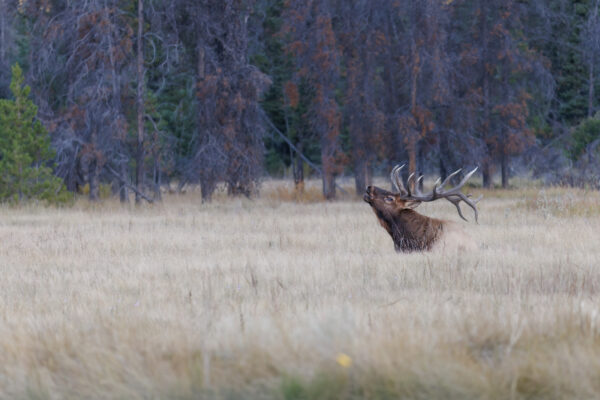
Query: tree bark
x=443 y=170
x=208 y=179
x=93 y=179
x=413 y=138
x=298 y=170
x=207 y=188
x=591 y=91
x=328 y=184
x=486 y=171
x=157 y=180
x=411 y=148
x=328 y=161
x=443 y=154
x=3 y=16
x=504 y=168
x=362 y=175
x=487 y=167
x=420 y=162
x=123 y=192
x=139 y=167
x=116 y=100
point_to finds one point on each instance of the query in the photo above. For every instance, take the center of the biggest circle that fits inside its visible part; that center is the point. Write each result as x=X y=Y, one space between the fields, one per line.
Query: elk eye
x=389 y=199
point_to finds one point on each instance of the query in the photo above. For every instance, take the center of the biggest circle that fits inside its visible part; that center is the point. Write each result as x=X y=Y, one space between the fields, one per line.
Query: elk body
x=410 y=230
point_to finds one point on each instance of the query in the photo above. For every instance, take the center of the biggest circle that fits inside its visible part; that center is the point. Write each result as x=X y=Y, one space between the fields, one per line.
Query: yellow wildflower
x=344 y=360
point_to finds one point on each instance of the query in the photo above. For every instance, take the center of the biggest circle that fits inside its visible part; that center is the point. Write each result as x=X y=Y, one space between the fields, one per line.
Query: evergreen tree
x=25 y=153
x=286 y=103
x=585 y=138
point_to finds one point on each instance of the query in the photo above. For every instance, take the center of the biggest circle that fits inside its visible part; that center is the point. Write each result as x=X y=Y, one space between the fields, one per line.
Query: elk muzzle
x=369 y=194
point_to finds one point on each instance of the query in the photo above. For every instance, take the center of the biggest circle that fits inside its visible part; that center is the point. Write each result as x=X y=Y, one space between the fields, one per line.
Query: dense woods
x=133 y=95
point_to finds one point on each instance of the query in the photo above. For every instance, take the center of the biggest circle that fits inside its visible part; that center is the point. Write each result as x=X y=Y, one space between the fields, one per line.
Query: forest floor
x=271 y=298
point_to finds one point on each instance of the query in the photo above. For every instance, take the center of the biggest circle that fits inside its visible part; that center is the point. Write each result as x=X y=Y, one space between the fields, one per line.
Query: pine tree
x=25 y=152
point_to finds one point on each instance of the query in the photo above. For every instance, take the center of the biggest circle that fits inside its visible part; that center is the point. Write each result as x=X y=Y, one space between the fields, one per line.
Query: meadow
x=283 y=298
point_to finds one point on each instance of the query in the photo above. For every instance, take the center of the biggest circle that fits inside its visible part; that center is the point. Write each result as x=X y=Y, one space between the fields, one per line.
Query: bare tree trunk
x=411 y=149
x=207 y=188
x=71 y=179
x=420 y=162
x=157 y=180
x=504 y=167
x=591 y=91
x=443 y=155
x=116 y=97
x=328 y=184
x=208 y=182
x=361 y=178
x=486 y=171
x=487 y=166
x=413 y=139
x=139 y=173
x=328 y=166
x=592 y=46
x=123 y=192
x=93 y=179
x=443 y=169
x=298 y=170
x=3 y=16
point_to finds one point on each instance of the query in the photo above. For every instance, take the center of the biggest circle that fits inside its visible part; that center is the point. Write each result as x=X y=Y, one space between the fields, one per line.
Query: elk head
x=410 y=230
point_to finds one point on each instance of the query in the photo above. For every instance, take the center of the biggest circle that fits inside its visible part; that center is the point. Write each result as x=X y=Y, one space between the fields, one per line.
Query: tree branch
x=132 y=188
x=294 y=148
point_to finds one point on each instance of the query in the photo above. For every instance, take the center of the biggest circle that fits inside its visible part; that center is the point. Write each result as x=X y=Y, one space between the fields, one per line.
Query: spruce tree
x=25 y=152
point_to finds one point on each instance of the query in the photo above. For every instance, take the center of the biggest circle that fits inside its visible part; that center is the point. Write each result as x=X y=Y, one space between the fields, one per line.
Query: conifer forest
x=132 y=96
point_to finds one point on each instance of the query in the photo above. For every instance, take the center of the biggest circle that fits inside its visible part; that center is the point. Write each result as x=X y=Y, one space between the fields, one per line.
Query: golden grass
x=263 y=298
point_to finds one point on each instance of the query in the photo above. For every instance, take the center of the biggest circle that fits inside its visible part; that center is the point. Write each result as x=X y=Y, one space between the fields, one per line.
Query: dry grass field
x=272 y=298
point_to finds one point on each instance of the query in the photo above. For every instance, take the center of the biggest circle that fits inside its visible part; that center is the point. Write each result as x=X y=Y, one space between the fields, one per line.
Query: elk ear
x=409 y=205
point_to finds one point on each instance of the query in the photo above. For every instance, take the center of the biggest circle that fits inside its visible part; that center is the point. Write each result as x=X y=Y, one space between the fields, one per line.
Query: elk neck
x=412 y=231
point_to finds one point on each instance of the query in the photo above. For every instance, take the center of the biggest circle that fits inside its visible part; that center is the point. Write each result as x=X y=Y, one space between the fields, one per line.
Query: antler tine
x=454 y=196
x=456 y=202
x=393 y=179
x=417 y=184
x=456 y=189
x=466 y=178
x=475 y=201
x=410 y=177
x=397 y=180
x=452 y=175
x=457 y=198
x=436 y=186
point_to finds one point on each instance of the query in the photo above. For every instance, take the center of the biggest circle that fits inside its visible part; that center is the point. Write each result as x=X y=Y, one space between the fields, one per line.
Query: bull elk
x=410 y=230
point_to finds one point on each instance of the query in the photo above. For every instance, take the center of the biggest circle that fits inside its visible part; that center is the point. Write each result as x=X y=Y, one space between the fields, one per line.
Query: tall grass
x=271 y=298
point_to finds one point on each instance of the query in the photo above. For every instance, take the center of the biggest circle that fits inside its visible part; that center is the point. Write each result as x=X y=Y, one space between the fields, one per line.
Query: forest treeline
x=132 y=95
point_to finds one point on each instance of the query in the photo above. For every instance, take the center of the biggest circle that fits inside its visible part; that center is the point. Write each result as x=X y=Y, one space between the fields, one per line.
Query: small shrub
x=25 y=153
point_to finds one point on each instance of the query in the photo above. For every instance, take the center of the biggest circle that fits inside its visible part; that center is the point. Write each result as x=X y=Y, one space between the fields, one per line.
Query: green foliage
x=176 y=111
x=329 y=386
x=25 y=153
x=271 y=59
x=566 y=57
x=587 y=132
x=293 y=389
x=291 y=119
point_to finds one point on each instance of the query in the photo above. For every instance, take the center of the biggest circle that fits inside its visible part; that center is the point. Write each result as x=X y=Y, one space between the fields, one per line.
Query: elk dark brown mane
x=410 y=230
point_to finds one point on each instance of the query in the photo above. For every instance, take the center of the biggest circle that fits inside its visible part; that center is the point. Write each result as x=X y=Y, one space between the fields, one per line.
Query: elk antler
x=397 y=180
x=453 y=195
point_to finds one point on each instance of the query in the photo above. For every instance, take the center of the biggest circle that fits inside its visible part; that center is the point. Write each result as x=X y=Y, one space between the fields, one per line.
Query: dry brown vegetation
x=258 y=299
